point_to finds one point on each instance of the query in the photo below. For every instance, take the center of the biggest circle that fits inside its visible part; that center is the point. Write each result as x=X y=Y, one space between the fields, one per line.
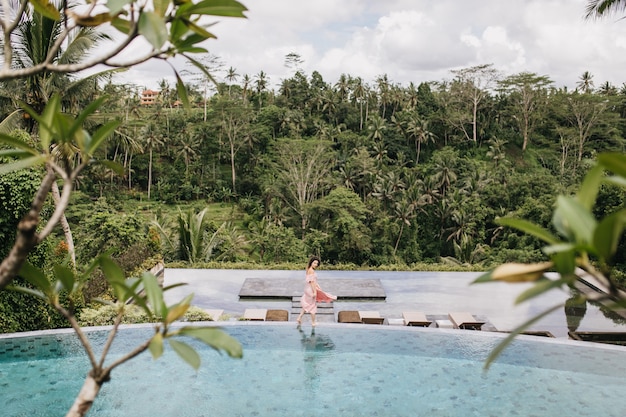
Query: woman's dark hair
x=313 y=258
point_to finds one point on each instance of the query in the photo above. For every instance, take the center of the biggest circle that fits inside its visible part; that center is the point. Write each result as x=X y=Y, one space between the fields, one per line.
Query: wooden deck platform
x=279 y=288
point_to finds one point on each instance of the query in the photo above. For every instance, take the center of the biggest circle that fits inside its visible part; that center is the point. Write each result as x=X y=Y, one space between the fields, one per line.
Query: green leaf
x=178 y=29
x=589 y=188
x=154 y=295
x=115 y=277
x=17 y=143
x=156 y=346
x=116 y=6
x=200 y=31
x=215 y=338
x=46 y=8
x=542 y=286
x=528 y=227
x=615 y=180
x=229 y=8
x=22 y=164
x=103 y=301
x=614 y=162
x=160 y=7
x=113 y=166
x=182 y=92
x=47 y=121
x=560 y=247
x=507 y=341
x=66 y=276
x=153 y=28
x=36 y=277
x=178 y=284
x=186 y=352
x=202 y=68
x=573 y=220
x=28 y=291
x=176 y=312
x=14 y=153
x=122 y=25
x=101 y=135
x=486 y=277
x=89 y=110
x=608 y=233
x=565 y=262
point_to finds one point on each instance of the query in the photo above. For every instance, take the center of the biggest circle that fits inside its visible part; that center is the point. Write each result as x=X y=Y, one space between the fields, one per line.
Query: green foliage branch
x=65 y=148
x=583 y=247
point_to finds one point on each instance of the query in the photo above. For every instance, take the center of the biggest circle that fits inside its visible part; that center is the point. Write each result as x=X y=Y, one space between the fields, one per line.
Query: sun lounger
x=415 y=318
x=215 y=314
x=277 y=315
x=349 y=316
x=371 y=317
x=256 y=314
x=465 y=321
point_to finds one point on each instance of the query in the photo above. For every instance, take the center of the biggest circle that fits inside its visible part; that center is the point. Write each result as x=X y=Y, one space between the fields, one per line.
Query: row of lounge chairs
x=458 y=320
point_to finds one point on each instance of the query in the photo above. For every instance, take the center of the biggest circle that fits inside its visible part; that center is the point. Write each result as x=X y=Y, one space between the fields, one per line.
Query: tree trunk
x=56 y=195
x=150 y=173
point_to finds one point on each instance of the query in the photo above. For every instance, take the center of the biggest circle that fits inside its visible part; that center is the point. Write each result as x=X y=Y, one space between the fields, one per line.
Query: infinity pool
x=337 y=370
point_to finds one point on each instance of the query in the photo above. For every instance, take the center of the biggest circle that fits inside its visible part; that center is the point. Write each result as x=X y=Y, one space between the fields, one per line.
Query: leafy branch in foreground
x=144 y=292
x=64 y=148
x=582 y=248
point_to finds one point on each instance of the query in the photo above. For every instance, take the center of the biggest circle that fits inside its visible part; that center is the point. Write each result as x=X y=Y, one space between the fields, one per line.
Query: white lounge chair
x=256 y=314
x=415 y=318
x=463 y=320
x=371 y=317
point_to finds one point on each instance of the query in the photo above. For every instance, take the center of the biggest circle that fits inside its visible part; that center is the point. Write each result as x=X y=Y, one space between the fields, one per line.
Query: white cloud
x=418 y=40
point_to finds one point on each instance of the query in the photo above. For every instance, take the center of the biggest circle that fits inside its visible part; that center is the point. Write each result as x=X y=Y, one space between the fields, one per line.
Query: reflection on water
x=575 y=309
x=315 y=347
x=315 y=342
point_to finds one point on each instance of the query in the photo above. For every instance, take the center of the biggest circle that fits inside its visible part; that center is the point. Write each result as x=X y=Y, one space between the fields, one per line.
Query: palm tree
x=586 y=82
x=417 y=128
x=188 y=150
x=377 y=128
x=359 y=95
x=444 y=175
x=153 y=140
x=33 y=40
x=245 y=87
x=261 y=86
x=343 y=86
x=404 y=212
x=231 y=77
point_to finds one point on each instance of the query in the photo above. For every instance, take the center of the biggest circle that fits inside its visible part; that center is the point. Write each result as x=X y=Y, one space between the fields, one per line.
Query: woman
x=312 y=292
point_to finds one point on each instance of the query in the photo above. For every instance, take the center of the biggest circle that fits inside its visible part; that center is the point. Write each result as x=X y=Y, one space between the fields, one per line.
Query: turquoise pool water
x=338 y=370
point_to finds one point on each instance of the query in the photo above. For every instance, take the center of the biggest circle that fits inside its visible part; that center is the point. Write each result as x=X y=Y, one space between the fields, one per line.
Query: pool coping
x=321 y=326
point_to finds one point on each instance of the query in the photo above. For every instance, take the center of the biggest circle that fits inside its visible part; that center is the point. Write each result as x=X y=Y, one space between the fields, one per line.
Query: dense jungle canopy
x=358 y=173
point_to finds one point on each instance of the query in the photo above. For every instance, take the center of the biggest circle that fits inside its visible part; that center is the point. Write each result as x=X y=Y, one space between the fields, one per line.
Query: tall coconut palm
x=585 y=83
x=153 y=140
x=231 y=77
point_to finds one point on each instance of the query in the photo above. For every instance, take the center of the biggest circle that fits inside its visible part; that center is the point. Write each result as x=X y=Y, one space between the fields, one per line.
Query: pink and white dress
x=308 y=302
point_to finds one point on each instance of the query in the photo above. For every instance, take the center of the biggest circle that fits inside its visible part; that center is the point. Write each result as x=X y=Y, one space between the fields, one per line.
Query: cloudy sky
x=414 y=40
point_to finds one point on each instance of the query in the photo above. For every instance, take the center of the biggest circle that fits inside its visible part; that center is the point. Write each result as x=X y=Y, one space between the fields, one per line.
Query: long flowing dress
x=308 y=302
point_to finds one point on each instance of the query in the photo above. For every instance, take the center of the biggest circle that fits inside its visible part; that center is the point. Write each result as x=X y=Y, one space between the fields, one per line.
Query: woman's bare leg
x=313 y=322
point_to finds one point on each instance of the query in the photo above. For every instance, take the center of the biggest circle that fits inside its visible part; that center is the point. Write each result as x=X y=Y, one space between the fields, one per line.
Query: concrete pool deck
x=433 y=293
